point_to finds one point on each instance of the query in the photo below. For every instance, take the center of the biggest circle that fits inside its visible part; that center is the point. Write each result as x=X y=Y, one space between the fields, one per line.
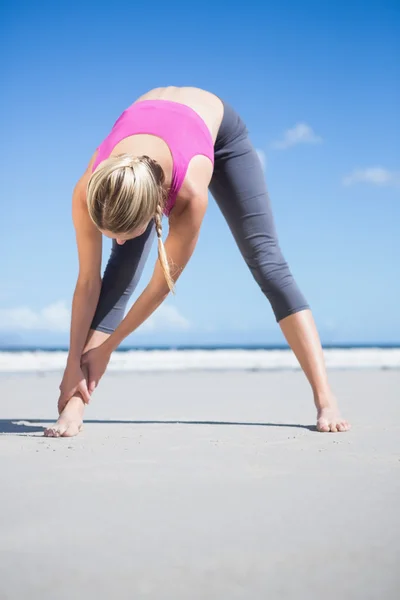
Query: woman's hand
x=73 y=382
x=95 y=361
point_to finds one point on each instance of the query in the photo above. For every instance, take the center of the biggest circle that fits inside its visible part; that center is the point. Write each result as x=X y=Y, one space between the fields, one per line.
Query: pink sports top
x=181 y=128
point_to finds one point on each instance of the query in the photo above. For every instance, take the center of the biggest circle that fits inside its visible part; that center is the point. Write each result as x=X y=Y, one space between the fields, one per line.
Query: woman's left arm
x=184 y=229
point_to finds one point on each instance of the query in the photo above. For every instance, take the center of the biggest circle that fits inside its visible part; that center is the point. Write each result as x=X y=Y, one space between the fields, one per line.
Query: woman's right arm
x=86 y=295
x=87 y=290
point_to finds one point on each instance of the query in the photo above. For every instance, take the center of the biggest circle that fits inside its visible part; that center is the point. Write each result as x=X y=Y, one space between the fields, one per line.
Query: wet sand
x=201 y=486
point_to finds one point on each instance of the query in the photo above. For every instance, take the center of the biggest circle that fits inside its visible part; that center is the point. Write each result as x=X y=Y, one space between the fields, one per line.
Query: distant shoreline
x=208 y=347
x=185 y=359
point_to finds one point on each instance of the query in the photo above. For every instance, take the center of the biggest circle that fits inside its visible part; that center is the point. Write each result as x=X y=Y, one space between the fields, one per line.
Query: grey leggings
x=239 y=188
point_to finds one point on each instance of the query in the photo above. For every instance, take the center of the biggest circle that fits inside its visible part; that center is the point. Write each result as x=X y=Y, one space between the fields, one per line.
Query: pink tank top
x=181 y=128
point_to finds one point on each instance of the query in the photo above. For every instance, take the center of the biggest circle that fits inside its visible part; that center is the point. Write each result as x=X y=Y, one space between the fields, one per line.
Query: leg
x=121 y=276
x=239 y=188
x=120 y=279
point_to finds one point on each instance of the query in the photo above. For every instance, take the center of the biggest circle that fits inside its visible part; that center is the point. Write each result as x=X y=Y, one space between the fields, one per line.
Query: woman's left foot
x=328 y=417
x=69 y=422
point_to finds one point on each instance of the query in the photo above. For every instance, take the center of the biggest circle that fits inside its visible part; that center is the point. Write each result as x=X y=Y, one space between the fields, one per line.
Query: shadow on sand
x=34 y=426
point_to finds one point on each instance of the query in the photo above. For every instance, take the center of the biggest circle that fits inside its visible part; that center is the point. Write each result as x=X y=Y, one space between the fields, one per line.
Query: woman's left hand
x=96 y=362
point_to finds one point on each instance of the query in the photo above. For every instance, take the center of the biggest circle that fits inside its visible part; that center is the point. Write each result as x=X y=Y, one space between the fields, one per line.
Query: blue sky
x=318 y=88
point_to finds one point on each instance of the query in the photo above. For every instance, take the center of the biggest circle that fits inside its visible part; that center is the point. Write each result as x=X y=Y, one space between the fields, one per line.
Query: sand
x=241 y=499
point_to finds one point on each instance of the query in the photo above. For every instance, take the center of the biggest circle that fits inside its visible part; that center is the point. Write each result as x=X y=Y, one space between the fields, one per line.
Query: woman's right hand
x=73 y=382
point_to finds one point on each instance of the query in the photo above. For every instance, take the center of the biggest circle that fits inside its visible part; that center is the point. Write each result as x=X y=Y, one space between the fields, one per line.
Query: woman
x=162 y=156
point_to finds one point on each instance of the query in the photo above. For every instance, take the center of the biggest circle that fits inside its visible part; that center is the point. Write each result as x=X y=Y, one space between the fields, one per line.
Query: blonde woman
x=162 y=156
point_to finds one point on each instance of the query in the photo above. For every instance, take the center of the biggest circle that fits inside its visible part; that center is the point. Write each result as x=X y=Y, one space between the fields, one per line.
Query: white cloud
x=55 y=317
x=301 y=133
x=165 y=318
x=373 y=175
x=262 y=157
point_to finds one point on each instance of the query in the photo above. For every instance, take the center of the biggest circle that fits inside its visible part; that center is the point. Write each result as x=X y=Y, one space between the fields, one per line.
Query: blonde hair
x=124 y=193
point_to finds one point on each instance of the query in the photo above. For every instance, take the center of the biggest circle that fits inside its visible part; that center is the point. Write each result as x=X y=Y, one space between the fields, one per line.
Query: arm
x=88 y=285
x=86 y=295
x=180 y=243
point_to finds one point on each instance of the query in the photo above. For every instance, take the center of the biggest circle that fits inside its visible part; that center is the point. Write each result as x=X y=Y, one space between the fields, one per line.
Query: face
x=121 y=238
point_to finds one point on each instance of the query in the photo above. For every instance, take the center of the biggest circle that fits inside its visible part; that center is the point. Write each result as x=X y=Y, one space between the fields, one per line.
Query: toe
x=333 y=428
x=341 y=427
x=322 y=425
x=61 y=429
x=56 y=431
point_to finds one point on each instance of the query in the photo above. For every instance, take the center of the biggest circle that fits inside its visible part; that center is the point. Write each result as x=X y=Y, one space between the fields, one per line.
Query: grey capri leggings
x=238 y=186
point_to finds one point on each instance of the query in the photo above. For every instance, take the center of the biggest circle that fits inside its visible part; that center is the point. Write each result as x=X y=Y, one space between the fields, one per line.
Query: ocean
x=220 y=358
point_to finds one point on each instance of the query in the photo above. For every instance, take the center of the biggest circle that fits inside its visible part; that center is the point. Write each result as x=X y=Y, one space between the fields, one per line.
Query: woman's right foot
x=70 y=421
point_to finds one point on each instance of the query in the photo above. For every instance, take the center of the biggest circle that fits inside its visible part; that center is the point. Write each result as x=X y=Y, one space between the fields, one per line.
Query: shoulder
x=191 y=204
x=194 y=189
x=79 y=192
x=192 y=192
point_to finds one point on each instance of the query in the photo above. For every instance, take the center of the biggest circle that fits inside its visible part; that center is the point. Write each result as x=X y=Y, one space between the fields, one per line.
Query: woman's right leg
x=121 y=276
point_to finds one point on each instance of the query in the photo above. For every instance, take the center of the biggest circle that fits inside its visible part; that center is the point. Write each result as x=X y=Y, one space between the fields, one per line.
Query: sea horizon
x=174 y=358
x=230 y=346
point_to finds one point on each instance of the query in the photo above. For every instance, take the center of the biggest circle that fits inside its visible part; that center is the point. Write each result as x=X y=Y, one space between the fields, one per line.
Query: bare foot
x=328 y=417
x=70 y=421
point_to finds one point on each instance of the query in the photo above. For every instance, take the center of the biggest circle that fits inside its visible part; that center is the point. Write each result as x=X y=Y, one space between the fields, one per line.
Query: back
x=179 y=126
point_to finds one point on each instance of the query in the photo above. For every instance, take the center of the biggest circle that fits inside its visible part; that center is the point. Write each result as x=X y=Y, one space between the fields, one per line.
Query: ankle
x=76 y=402
x=324 y=399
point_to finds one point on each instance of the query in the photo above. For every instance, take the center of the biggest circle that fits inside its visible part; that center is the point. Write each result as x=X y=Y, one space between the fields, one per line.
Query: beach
x=201 y=485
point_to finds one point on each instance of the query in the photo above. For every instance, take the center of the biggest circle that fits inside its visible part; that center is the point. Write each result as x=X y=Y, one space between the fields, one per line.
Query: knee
x=268 y=265
x=274 y=277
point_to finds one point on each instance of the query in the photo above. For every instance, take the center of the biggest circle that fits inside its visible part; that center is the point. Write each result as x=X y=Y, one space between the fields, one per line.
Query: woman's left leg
x=239 y=188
